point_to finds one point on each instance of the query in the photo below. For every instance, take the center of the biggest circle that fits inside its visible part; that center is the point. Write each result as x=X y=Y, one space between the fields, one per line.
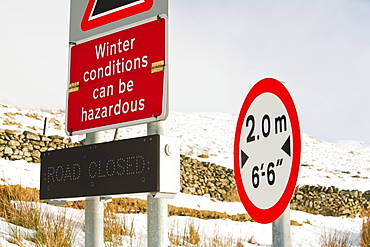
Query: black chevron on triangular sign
x=245 y=157
x=102 y=6
x=102 y=12
x=286 y=146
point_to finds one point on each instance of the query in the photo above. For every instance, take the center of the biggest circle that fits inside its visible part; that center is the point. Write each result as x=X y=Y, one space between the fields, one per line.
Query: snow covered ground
x=345 y=165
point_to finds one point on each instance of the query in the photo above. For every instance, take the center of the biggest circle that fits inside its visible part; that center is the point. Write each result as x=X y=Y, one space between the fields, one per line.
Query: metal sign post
x=94 y=208
x=157 y=207
x=281 y=230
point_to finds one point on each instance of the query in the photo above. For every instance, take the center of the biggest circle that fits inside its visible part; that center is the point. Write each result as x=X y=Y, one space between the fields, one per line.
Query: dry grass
x=221 y=240
x=336 y=238
x=295 y=223
x=232 y=196
x=16 y=237
x=127 y=206
x=193 y=236
x=206 y=215
x=251 y=240
x=21 y=207
x=55 y=230
x=56 y=122
x=135 y=206
x=365 y=230
x=33 y=115
x=32 y=128
x=11 y=123
x=12 y=115
x=11 y=193
x=189 y=236
x=218 y=241
x=115 y=227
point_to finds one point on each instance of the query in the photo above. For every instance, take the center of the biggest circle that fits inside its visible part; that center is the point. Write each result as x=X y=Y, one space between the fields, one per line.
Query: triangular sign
x=101 y=12
x=245 y=157
x=286 y=146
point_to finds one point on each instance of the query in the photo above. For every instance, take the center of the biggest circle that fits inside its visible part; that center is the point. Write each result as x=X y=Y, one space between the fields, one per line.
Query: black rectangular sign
x=112 y=168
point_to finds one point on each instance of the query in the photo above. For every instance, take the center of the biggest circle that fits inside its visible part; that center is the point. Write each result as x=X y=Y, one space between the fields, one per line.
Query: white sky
x=218 y=51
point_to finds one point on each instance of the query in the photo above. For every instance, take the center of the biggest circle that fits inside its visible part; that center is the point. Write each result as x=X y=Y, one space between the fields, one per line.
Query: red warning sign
x=119 y=79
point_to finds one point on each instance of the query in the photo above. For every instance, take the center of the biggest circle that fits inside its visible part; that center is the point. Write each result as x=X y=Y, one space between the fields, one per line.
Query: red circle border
x=269 y=85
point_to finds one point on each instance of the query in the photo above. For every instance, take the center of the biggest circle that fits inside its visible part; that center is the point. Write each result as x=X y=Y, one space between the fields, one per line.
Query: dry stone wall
x=199 y=178
x=330 y=201
x=204 y=178
x=28 y=146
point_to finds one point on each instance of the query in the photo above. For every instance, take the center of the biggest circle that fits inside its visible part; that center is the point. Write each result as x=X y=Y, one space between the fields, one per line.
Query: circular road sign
x=267 y=150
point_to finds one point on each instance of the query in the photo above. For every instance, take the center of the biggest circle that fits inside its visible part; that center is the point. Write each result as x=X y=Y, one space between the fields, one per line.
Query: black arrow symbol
x=286 y=146
x=245 y=157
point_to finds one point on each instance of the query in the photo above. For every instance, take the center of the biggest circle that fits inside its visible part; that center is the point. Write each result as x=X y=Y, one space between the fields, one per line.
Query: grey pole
x=157 y=207
x=94 y=208
x=281 y=230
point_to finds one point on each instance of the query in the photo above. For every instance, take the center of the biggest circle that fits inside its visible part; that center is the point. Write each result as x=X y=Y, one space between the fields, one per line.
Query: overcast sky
x=218 y=51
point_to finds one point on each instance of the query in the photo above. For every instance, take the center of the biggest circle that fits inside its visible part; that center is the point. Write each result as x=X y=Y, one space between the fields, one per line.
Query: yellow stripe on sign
x=74 y=87
x=158 y=66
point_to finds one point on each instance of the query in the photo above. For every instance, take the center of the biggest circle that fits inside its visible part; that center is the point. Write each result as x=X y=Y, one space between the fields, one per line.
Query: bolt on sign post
x=267 y=150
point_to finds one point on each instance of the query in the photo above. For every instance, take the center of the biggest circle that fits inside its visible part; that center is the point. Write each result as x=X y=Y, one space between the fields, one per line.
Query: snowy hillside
x=345 y=165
